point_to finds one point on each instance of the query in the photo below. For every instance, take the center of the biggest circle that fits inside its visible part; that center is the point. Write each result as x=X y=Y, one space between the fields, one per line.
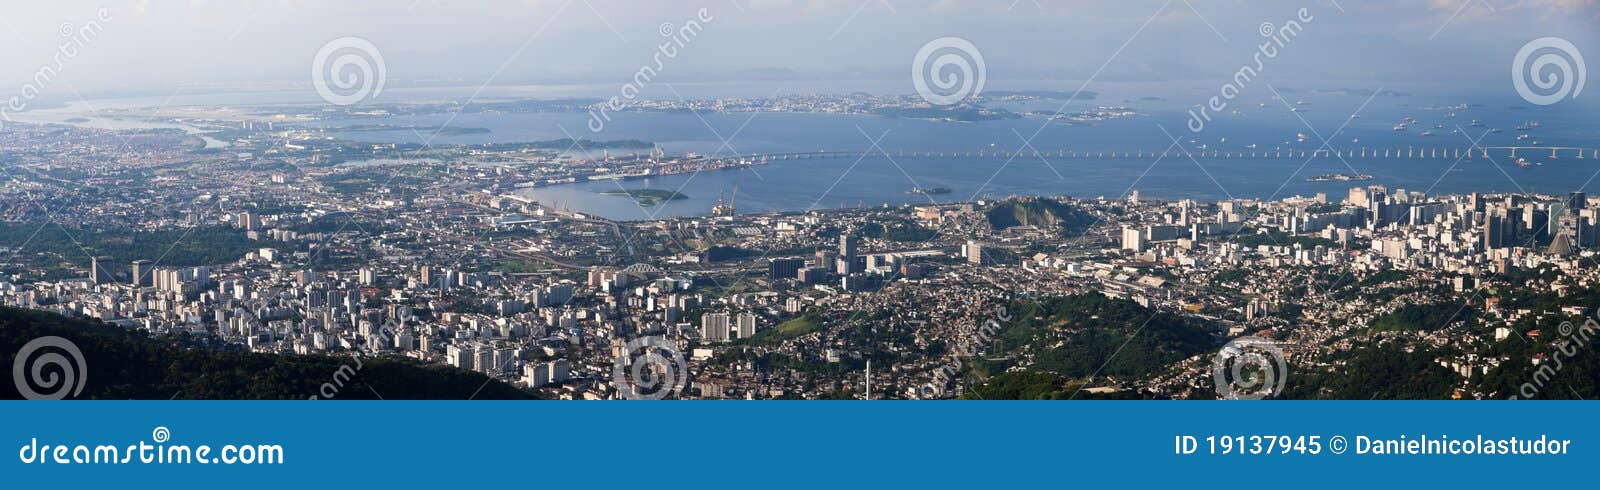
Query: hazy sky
x=152 y=46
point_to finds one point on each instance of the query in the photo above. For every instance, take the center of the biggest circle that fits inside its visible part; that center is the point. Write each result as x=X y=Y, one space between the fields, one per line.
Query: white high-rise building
x=714 y=327
x=560 y=371
x=536 y=374
x=747 y=325
x=459 y=356
x=1133 y=239
x=973 y=251
x=559 y=294
x=483 y=360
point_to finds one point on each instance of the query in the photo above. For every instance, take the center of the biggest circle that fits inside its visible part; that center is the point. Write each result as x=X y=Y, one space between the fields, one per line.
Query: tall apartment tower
x=1494 y=229
x=714 y=327
x=99 y=270
x=140 y=272
x=848 y=257
x=746 y=325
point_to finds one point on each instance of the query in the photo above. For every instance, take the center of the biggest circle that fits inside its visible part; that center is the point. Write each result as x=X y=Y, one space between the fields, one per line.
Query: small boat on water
x=1524 y=163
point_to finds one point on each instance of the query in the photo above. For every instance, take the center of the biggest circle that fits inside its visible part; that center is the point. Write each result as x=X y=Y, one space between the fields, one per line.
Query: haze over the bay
x=152 y=46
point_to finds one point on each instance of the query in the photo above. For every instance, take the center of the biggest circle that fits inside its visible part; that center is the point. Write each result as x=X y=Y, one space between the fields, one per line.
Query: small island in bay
x=1339 y=177
x=648 y=197
x=441 y=130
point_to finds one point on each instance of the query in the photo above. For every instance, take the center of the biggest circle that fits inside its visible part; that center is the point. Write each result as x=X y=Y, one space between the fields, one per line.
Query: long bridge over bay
x=1395 y=153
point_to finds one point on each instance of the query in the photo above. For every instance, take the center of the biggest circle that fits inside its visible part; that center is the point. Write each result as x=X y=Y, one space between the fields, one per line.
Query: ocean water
x=871 y=178
x=874 y=181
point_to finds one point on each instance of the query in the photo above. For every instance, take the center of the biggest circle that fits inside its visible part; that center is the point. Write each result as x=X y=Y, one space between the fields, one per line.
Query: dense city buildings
x=292 y=243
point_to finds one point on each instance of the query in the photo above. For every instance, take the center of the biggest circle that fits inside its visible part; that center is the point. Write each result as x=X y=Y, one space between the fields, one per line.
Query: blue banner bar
x=207 y=444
